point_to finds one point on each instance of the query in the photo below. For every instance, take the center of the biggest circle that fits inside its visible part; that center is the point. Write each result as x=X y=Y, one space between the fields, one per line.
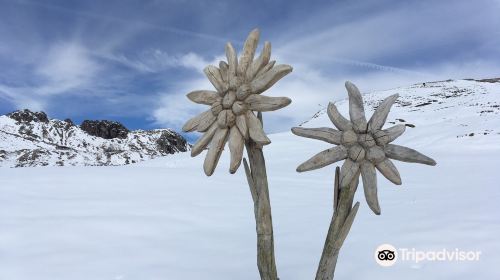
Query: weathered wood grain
x=255 y=130
x=337 y=119
x=232 y=61
x=387 y=168
x=207 y=97
x=347 y=172
x=323 y=159
x=265 y=239
x=203 y=141
x=369 y=177
x=407 y=155
x=214 y=76
x=264 y=103
x=260 y=62
x=266 y=68
x=340 y=225
x=394 y=132
x=214 y=151
x=356 y=108
x=268 y=79
x=248 y=53
x=380 y=115
x=326 y=134
x=236 y=145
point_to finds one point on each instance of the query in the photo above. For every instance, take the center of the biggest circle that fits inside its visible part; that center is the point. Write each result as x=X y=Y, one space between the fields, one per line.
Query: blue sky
x=134 y=61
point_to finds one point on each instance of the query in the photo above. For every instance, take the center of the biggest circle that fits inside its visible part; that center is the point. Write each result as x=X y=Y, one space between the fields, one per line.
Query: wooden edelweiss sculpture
x=365 y=147
x=363 y=144
x=231 y=118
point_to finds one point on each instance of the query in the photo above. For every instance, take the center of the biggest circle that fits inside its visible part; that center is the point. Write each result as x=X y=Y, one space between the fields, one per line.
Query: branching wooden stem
x=340 y=225
x=343 y=216
x=257 y=180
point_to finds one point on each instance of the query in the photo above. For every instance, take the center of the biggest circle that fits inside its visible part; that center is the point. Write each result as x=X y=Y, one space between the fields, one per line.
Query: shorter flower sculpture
x=363 y=144
x=238 y=85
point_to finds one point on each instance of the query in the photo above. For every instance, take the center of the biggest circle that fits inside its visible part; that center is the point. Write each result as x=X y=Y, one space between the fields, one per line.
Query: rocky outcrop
x=171 y=142
x=105 y=129
x=26 y=116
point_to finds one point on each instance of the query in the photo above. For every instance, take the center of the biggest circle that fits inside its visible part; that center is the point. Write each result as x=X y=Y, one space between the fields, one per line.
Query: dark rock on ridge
x=105 y=129
x=171 y=142
x=26 y=116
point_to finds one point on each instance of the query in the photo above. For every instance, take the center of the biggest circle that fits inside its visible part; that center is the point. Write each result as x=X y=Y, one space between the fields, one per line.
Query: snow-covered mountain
x=164 y=219
x=447 y=109
x=32 y=139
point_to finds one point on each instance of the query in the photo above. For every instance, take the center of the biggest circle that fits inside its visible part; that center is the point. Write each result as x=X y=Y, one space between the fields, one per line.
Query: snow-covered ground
x=164 y=219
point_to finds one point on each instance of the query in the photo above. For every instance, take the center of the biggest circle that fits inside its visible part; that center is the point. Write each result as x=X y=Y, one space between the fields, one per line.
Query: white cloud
x=21 y=98
x=402 y=29
x=174 y=109
x=66 y=67
x=154 y=61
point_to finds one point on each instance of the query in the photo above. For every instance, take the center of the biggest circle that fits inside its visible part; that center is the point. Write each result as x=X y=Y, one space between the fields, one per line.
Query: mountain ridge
x=30 y=139
x=471 y=104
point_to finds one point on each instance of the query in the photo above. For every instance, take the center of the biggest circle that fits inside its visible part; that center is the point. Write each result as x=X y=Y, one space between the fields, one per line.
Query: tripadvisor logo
x=388 y=255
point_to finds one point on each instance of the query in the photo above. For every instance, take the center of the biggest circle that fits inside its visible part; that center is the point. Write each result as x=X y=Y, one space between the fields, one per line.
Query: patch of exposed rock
x=105 y=129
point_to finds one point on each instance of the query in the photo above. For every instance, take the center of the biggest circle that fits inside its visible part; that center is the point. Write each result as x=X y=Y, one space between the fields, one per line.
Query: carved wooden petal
x=193 y=123
x=265 y=103
x=232 y=60
x=262 y=83
x=387 y=168
x=348 y=171
x=407 y=155
x=206 y=97
x=204 y=140
x=369 y=176
x=356 y=108
x=248 y=52
x=323 y=159
x=266 y=68
x=394 y=132
x=206 y=121
x=214 y=76
x=224 y=68
x=260 y=62
x=380 y=115
x=326 y=134
x=236 y=144
x=215 y=150
x=241 y=123
x=337 y=119
x=255 y=130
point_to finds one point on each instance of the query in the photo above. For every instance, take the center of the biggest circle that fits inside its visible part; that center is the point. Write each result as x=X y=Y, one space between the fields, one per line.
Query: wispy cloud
x=154 y=61
x=124 y=21
x=66 y=68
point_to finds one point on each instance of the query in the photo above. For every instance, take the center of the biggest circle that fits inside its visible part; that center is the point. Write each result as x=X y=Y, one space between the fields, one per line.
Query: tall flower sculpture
x=363 y=144
x=231 y=116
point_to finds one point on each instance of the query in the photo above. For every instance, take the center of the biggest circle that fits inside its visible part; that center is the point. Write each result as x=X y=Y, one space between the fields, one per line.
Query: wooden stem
x=257 y=180
x=340 y=225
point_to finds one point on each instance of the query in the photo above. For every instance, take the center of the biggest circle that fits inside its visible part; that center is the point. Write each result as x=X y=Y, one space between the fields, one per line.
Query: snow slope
x=163 y=219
